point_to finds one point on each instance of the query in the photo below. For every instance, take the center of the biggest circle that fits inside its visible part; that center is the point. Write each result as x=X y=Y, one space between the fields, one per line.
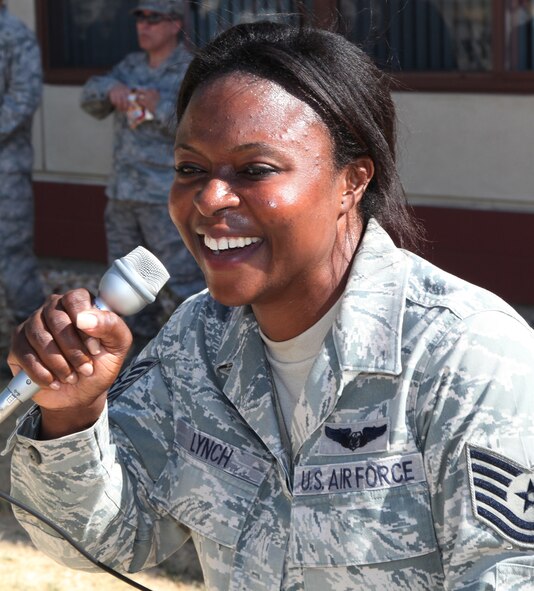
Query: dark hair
x=340 y=82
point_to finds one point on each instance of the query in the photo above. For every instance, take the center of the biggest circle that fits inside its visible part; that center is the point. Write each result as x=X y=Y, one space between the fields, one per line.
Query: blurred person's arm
x=24 y=85
x=101 y=95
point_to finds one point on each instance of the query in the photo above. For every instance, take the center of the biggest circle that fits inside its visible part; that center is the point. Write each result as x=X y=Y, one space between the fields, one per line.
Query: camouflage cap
x=170 y=7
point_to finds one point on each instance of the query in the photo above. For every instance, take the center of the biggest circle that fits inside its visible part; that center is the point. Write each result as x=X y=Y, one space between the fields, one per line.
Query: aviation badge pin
x=361 y=437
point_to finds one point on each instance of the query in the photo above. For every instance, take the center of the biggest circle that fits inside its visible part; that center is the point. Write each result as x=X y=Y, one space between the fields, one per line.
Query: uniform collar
x=368 y=327
x=248 y=384
x=366 y=337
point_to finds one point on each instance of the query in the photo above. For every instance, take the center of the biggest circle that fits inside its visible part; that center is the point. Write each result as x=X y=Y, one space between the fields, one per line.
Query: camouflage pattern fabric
x=20 y=94
x=143 y=165
x=19 y=269
x=143 y=171
x=412 y=446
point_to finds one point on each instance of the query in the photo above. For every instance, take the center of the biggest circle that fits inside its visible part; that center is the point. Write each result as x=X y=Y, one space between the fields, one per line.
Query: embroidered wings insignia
x=354 y=439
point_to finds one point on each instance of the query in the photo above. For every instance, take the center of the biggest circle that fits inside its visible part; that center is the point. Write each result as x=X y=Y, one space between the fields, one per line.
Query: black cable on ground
x=72 y=542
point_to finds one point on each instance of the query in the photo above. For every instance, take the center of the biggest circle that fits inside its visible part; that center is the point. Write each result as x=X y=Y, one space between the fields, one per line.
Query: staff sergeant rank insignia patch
x=502 y=493
x=129 y=375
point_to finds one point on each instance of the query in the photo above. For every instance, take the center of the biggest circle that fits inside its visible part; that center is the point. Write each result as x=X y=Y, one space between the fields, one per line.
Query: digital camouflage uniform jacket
x=412 y=458
x=142 y=157
x=20 y=93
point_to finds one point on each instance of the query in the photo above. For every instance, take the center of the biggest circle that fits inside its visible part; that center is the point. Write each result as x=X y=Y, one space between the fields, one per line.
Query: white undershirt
x=291 y=362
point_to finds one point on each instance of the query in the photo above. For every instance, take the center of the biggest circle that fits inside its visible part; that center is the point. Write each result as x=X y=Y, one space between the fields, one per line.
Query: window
x=445 y=45
x=84 y=37
x=207 y=18
x=442 y=45
x=519 y=21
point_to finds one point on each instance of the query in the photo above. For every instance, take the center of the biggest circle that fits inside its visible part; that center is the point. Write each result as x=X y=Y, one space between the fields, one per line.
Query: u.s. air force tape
x=219 y=454
x=378 y=473
x=502 y=494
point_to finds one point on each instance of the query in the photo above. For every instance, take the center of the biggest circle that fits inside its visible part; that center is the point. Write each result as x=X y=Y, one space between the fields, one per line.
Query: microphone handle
x=21 y=388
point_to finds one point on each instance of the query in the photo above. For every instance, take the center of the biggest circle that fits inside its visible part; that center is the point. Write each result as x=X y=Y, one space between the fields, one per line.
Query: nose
x=215 y=197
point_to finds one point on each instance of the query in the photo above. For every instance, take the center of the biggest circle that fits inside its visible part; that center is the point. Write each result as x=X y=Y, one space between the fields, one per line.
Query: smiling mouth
x=217 y=245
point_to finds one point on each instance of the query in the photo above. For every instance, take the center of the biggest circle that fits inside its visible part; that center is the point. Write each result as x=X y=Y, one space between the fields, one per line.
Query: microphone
x=131 y=283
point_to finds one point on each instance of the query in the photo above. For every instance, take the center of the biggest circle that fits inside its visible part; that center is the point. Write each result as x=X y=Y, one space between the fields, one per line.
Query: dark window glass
x=421 y=35
x=207 y=18
x=89 y=33
x=520 y=35
x=410 y=37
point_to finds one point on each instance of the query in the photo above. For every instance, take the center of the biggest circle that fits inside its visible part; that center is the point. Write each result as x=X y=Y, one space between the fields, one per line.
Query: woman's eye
x=257 y=170
x=186 y=169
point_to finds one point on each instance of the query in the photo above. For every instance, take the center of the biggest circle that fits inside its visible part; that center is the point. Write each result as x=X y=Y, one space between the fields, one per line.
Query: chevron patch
x=502 y=493
x=127 y=377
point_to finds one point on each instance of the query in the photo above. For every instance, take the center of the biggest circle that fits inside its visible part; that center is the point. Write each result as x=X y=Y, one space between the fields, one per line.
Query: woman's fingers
x=60 y=317
x=108 y=329
x=24 y=355
x=48 y=345
x=53 y=346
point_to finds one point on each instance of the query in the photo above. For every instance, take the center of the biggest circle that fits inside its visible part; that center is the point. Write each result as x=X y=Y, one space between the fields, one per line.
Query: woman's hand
x=75 y=352
x=118 y=96
x=148 y=98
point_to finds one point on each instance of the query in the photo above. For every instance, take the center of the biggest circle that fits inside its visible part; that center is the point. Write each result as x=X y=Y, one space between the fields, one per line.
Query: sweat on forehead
x=258 y=96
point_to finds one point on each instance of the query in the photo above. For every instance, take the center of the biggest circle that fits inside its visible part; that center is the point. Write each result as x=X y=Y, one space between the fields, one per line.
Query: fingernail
x=86 y=369
x=93 y=345
x=71 y=379
x=55 y=385
x=86 y=320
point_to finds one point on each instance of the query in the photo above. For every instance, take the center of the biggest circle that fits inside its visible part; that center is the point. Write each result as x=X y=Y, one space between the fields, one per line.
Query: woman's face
x=256 y=196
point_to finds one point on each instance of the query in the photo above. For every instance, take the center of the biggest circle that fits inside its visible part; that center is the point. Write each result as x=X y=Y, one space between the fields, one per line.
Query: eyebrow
x=264 y=147
x=254 y=146
x=186 y=147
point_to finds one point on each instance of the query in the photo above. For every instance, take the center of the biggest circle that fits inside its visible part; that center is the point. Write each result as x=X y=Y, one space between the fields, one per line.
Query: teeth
x=226 y=243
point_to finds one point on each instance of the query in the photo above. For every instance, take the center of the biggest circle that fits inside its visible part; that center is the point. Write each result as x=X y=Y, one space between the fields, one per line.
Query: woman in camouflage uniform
x=335 y=413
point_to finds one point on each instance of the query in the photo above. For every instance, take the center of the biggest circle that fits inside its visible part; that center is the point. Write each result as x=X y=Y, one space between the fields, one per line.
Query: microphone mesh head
x=148 y=267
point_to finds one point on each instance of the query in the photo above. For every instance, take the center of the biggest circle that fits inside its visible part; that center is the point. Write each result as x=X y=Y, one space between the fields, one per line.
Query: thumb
x=104 y=329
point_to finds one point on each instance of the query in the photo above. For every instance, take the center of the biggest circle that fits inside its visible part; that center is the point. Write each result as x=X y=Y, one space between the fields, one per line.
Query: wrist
x=62 y=422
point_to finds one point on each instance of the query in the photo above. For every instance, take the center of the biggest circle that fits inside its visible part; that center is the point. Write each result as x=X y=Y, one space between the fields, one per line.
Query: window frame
x=497 y=80
x=57 y=76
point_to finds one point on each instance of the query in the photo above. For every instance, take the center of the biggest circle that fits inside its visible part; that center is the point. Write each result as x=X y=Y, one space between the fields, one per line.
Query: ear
x=358 y=175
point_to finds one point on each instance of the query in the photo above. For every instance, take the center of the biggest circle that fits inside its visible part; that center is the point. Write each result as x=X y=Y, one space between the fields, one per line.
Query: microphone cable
x=68 y=538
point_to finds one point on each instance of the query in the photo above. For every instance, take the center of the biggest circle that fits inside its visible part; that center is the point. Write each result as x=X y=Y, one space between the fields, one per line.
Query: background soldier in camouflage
x=20 y=94
x=138 y=188
x=335 y=413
